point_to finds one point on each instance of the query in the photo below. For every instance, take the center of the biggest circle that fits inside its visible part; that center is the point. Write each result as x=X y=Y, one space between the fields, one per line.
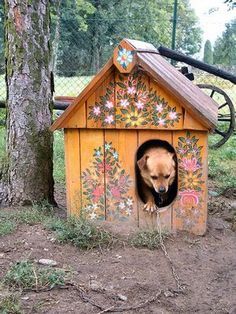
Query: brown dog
x=157 y=172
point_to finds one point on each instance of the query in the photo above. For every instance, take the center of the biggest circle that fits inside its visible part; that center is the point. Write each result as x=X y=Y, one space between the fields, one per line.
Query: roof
x=146 y=56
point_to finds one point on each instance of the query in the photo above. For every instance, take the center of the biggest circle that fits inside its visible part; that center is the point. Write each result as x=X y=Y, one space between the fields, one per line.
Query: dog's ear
x=174 y=157
x=142 y=162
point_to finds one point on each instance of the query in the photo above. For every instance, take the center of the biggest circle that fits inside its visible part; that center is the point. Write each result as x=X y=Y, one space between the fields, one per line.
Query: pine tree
x=208 y=53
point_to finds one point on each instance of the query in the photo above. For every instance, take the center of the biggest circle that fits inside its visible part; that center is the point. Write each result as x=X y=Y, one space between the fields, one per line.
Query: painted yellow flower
x=134 y=118
x=191 y=181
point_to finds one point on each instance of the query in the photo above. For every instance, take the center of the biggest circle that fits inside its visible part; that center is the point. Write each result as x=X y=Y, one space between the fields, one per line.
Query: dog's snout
x=162 y=189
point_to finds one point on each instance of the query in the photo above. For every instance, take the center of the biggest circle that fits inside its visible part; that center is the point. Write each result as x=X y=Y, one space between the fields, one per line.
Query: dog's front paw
x=150 y=207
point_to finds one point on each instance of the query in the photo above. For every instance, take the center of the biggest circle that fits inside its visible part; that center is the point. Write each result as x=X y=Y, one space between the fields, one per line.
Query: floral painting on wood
x=106 y=184
x=135 y=105
x=190 y=197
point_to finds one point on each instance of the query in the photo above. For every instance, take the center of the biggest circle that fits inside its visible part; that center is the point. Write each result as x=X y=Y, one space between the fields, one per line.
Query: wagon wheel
x=226 y=113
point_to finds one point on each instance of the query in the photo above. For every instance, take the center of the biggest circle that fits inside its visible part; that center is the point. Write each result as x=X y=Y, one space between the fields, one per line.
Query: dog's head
x=158 y=169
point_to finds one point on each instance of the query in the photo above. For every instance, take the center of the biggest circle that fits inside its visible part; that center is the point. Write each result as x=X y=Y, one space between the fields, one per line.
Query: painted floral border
x=105 y=182
x=191 y=180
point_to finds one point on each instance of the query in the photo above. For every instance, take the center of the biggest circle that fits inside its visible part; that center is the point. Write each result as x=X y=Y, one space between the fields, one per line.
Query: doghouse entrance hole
x=160 y=200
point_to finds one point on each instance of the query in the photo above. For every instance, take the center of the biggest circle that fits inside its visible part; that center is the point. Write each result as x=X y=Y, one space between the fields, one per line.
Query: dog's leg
x=150 y=205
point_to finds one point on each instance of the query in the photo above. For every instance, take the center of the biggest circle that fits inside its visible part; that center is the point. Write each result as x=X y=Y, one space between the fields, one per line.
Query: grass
x=59 y=160
x=80 y=233
x=25 y=275
x=7 y=226
x=222 y=164
x=10 y=304
x=150 y=239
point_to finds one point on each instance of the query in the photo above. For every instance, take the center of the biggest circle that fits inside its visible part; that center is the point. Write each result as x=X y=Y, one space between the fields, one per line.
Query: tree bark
x=28 y=176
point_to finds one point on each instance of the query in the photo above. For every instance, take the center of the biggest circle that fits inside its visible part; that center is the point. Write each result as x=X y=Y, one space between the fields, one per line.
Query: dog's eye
x=154 y=177
x=167 y=176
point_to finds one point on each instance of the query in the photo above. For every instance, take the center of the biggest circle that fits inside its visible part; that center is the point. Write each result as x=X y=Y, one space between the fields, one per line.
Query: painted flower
x=134 y=118
x=122 y=180
x=128 y=211
x=129 y=201
x=189 y=198
x=190 y=164
x=115 y=155
x=124 y=103
x=115 y=192
x=96 y=111
x=142 y=96
x=172 y=115
x=125 y=57
x=161 y=122
x=159 y=108
x=107 y=146
x=97 y=193
x=122 y=205
x=191 y=180
x=104 y=166
x=131 y=90
x=109 y=119
x=97 y=152
x=109 y=104
x=139 y=105
x=93 y=215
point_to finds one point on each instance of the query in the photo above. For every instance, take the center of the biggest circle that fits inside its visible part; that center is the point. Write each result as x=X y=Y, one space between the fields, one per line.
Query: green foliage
x=10 y=304
x=25 y=275
x=224 y=48
x=59 y=161
x=208 y=53
x=6 y=226
x=105 y=23
x=150 y=239
x=222 y=164
x=80 y=232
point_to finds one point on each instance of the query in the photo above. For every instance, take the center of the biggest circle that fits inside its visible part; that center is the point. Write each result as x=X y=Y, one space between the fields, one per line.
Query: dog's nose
x=162 y=189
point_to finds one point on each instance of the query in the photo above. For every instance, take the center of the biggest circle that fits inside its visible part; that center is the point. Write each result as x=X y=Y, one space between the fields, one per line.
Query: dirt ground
x=206 y=267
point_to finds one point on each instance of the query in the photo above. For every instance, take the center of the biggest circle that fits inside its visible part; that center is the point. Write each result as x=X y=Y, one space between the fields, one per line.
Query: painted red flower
x=103 y=165
x=115 y=192
x=189 y=198
x=190 y=164
x=97 y=193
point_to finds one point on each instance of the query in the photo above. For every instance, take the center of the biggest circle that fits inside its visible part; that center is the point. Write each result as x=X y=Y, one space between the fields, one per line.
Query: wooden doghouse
x=137 y=96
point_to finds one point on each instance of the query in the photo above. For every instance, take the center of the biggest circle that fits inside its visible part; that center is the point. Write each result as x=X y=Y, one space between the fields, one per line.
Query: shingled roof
x=146 y=57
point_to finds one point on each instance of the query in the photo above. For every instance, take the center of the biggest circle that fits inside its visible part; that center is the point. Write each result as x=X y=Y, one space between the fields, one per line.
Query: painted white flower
x=95 y=206
x=122 y=205
x=125 y=57
x=129 y=201
x=109 y=119
x=115 y=155
x=109 y=104
x=139 y=105
x=159 y=107
x=97 y=111
x=161 y=122
x=172 y=115
x=107 y=146
x=124 y=103
x=131 y=90
x=128 y=211
x=93 y=215
x=98 y=153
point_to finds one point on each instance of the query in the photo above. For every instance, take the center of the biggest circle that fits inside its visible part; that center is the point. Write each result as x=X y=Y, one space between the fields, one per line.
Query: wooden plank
x=61 y=122
x=191 y=123
x=164 y=216
x=190 y=207
x=72 y=165
x=78 y=120
x=192 y=98
x=121 y=200
x=101 y=105
x=92 y=173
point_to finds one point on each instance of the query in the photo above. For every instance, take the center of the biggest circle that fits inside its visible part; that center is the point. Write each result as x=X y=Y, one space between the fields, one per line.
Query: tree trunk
x=29 y=102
